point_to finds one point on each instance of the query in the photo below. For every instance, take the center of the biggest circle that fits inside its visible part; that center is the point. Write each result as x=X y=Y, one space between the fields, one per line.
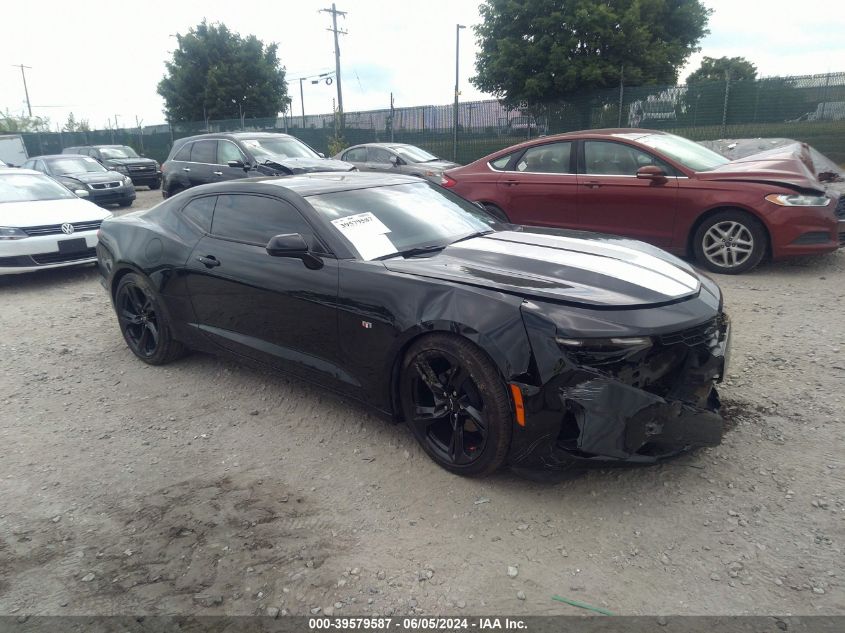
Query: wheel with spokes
x=730 y=242
x=143 y=322
x=456 y=405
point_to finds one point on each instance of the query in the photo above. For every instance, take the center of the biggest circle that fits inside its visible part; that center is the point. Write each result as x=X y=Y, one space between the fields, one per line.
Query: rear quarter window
x=184 y=153
x=200 y=211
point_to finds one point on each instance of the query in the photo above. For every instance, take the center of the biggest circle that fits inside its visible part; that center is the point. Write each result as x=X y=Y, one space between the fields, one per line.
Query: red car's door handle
x=511 y=183
x=592 y=184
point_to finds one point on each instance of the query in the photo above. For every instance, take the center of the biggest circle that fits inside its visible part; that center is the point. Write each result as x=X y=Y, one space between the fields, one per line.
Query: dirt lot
x=207 y=487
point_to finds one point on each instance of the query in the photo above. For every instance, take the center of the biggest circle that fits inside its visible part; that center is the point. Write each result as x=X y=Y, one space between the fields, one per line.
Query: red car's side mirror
x=651 y=172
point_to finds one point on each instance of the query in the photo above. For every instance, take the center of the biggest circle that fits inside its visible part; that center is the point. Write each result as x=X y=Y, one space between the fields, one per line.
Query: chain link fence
x=808 y=108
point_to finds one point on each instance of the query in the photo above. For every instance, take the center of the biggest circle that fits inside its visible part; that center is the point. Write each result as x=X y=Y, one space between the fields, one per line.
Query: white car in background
x=43 y=225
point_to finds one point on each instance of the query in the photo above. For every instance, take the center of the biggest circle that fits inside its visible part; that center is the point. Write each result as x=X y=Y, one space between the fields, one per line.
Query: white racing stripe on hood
x=626 y=264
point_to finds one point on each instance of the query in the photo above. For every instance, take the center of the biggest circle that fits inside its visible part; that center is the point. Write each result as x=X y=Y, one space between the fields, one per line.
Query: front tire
x=155 y=185
x=730 y=242
x=143 y=321
x=456 y=405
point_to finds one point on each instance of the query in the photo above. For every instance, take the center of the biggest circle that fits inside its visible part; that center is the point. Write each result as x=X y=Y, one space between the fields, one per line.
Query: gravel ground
x=207 y=487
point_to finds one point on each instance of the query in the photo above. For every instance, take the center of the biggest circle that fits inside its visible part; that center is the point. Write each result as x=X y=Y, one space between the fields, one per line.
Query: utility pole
x=25 y=90
x=302 y=101
x=336 y=32
x=458 y=28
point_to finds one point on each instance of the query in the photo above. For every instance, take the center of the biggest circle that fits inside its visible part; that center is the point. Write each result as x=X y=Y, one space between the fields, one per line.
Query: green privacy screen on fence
x=808 y=108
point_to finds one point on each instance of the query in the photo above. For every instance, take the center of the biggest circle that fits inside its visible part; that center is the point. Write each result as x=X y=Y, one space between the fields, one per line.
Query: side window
x=357 y=155
x=552 y=158
x=199 y=211
x=255 y=219
x=226 y=151
x=378 y=155
x=501 y=163
x=184 y=154
x=204 y=152
x=604 y=158
x=30 y=164
x=40 y=166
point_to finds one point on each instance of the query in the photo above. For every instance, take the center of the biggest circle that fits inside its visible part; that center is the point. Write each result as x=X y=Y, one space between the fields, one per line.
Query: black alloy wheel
x=143 y=322
x=456 y=405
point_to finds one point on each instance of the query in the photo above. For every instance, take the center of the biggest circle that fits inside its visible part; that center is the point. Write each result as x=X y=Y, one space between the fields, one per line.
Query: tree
x=717 y=69
x=12 y=123
x=544 y=50
x=216 y=74
x=72 y=125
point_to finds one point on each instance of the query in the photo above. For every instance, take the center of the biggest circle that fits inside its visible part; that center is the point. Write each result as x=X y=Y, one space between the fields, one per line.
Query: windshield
x=118 y=152
x=689 y=153
x=383 y=221
x=16 y=187
x=414 y=154
x=61 y=166
x=286 y=147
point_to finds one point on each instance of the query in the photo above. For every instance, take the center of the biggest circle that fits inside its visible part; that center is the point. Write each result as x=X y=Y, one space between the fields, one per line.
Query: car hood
x=92 y=177
x=572 y=267
x=306 y=165
x=47 y=212
x=789 y=165
x=129 y=161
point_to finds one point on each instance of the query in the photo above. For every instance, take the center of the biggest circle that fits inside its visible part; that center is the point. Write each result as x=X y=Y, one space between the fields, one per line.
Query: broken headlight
x=601 y=351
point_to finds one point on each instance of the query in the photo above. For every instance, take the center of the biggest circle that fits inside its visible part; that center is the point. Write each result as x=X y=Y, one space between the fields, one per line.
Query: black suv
x=123 y=159
x=198 y=160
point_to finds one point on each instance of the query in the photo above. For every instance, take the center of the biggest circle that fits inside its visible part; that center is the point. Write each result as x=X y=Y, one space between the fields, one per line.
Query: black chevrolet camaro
x=496 y=344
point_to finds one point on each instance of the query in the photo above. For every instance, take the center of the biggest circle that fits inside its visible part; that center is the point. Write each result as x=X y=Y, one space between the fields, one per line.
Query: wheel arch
x=719 y=209
x=508 y=365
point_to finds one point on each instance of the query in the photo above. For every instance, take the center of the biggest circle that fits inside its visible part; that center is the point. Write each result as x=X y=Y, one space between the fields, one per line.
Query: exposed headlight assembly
x=797 y=200
x=597 y=351
x=11 y=233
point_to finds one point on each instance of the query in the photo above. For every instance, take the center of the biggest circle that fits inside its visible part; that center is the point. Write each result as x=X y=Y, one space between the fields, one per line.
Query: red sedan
x=662 y=189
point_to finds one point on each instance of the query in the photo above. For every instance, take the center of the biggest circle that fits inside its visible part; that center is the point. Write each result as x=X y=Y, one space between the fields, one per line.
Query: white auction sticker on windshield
x=367 y=233
x=361 y=222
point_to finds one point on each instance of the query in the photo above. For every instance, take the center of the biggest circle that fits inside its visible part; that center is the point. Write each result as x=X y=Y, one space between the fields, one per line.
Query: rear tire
x=155 y=185
x=456 y=404
x=730 y=242
x=167 y=193
x=143 y=321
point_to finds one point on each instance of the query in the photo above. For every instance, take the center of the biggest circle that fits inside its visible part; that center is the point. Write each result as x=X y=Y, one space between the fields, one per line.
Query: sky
x=103 y=62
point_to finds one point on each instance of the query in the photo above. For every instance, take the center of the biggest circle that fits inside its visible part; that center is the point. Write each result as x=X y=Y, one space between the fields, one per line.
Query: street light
x=458 y=28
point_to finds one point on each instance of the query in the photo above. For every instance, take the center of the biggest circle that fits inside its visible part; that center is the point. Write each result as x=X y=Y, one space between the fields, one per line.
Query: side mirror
x=236 y=163
x=651 y=172
x=394 y=160
x=293 y=245
x=321 y=155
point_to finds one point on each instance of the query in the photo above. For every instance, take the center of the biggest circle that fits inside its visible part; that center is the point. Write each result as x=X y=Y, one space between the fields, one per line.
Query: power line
x=334 y=11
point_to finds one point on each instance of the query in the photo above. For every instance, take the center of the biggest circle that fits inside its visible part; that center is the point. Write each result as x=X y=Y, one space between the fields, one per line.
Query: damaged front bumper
x=637 y=410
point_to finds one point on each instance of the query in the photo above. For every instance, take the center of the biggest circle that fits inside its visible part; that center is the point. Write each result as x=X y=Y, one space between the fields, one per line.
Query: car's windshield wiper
x=472 y=235
x=419 y=250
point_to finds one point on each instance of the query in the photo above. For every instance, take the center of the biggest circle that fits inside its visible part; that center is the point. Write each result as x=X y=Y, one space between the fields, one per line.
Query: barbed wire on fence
x=809 y=108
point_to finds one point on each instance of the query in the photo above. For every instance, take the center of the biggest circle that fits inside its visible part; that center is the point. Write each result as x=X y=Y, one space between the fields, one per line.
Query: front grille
x=141 y=168
x=58 y=258
x=698 y=335
x=105 y=185
x=56 y=229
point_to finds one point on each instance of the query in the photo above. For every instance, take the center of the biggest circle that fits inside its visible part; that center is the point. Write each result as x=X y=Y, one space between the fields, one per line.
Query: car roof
x=23 y=171
x=51 y=156
x=235 y=135
x=387 y=145
x=315 y=182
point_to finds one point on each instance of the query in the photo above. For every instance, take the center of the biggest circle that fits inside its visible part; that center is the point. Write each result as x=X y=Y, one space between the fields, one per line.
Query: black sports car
x=495 y=343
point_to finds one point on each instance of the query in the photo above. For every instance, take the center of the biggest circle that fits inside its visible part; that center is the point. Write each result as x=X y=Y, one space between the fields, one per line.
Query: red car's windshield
x=689 y=153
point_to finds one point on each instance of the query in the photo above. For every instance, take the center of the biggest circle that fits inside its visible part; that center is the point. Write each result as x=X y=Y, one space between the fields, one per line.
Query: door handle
x=593 y=184
x=511 y=183
x=218 y=173
x=186 y=169
x=209 y=261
